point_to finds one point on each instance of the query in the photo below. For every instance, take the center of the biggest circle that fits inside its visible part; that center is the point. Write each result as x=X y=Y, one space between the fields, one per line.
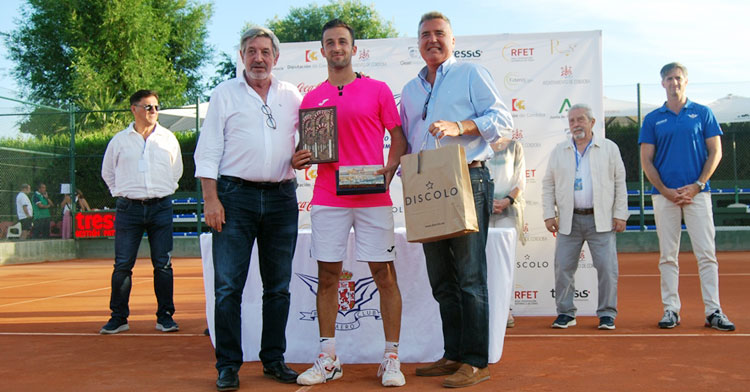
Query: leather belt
x=583 y=211
x=475 y=164
x=146 y=202
x=259 y=185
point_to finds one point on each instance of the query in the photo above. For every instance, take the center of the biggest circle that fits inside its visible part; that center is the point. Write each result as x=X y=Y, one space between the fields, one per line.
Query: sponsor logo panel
x=566 y=77
x=514 y=53
x=514 y=81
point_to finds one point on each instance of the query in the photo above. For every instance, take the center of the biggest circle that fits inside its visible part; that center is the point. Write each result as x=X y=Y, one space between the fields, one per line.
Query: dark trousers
x=131 y=221
x=270 y=217
x=457 y=269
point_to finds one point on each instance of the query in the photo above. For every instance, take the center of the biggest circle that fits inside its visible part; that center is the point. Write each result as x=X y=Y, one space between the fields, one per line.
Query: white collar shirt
x=237 y=139
x=583 y=195
x=142 y=169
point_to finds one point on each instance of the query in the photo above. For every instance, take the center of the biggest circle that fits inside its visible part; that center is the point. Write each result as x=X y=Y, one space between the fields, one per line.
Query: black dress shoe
x=280 y=372
x=228 y=380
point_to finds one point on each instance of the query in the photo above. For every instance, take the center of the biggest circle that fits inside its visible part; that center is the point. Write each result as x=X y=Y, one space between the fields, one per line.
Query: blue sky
x=639 y=36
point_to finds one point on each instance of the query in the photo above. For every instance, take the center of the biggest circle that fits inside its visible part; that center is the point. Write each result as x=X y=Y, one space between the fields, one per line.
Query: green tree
x=96 y=53
x=225 y=70
x=304 y=24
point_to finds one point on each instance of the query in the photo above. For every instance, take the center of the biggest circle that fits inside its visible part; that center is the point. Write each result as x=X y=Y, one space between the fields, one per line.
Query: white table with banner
x=359 y=330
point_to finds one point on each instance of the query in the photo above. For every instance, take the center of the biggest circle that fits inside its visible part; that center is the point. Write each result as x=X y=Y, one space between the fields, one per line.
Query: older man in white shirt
x=141 y=167
x=244 y=162
x=585 y=199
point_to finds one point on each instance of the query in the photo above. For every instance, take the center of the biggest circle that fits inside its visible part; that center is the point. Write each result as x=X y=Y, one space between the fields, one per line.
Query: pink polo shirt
x=364 y=110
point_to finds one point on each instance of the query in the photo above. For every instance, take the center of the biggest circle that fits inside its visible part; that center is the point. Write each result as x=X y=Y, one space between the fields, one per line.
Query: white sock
x=328 y=346
x=391 y=347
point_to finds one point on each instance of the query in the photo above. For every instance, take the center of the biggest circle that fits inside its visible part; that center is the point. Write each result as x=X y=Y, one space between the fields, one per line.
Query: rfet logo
x=525 y=296
x=530 y=173
x=518 y=104
x=352 y=295
x=515 y=53
x=311 y=55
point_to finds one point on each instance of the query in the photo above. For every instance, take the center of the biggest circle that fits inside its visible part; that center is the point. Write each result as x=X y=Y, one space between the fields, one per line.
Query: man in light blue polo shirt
x=457 y=103
x=680 y=149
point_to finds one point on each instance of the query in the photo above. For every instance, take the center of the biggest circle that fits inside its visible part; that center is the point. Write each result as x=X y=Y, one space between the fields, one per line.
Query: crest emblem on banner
x=353 y=295
x=346 y=291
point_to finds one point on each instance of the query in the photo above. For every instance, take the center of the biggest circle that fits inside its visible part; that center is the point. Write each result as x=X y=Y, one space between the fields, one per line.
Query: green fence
x=66 y=146
x=65 y=152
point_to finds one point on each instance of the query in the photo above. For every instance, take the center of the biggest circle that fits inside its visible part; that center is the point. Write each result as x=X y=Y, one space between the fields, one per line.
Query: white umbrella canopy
x=624 y=113
x=182 y=119
x=732 y=108
x=622 y=108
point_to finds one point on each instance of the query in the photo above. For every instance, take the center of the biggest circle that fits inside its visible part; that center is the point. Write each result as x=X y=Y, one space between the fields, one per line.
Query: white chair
x=14 y=231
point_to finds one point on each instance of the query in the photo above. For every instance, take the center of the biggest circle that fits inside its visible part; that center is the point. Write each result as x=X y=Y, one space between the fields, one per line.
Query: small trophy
x=318 y=131
x=357 y=180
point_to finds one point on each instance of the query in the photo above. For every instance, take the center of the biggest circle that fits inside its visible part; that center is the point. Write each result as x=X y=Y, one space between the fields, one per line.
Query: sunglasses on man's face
x=148 y=107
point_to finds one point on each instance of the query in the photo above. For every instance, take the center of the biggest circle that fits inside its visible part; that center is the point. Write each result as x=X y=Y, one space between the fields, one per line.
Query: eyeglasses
x=148 y=107
x=269 y=120
x=426 y=101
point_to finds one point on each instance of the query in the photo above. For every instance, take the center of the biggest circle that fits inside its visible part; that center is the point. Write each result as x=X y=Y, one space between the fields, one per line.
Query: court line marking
x=97 y=334
x=691 y=275
x=632 y=335
x=56 y=296
x=603 y=335
x=31 y=284
x=135 y=281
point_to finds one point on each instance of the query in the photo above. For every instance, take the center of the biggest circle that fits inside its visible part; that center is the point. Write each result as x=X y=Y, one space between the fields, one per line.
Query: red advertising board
x=95 y=224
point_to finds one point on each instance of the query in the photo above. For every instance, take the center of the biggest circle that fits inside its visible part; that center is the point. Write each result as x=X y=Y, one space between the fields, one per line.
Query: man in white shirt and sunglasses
x=141 y=167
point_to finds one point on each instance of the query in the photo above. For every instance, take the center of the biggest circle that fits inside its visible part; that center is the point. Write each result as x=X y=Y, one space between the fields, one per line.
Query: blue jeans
x=457 y=269
x=131 y=220
x=270 y=216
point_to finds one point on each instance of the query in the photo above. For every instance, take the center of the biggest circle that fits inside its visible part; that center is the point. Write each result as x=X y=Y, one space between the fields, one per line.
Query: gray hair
x=669 y=67
x=258 y=31
x=586 y=110
x=433 y=15
x=25 y=186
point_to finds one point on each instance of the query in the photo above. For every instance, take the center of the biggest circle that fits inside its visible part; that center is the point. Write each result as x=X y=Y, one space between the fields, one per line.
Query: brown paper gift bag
x=438 y=200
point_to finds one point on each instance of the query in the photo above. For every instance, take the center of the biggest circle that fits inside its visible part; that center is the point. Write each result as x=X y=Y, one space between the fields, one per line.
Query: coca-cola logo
x=306 y=88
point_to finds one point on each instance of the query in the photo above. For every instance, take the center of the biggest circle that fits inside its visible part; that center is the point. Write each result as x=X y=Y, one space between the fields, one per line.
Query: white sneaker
x=390 y=369
x=324 y=369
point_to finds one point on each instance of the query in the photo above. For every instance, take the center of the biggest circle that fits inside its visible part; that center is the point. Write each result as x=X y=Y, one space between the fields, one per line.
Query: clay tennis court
x=50 y=315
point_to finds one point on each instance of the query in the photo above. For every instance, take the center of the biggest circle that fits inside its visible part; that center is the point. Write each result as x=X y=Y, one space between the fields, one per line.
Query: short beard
x=258 y=76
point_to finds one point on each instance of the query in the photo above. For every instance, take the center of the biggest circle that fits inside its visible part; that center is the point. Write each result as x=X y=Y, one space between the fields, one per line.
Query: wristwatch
x=511 y=199
x=460 y=128
x=701 y=185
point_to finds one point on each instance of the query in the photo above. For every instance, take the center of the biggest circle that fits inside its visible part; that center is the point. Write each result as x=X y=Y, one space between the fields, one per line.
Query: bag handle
x=419 y=155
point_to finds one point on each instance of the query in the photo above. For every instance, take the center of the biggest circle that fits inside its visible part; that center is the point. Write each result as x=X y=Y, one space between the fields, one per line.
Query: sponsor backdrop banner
x=539 y=76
